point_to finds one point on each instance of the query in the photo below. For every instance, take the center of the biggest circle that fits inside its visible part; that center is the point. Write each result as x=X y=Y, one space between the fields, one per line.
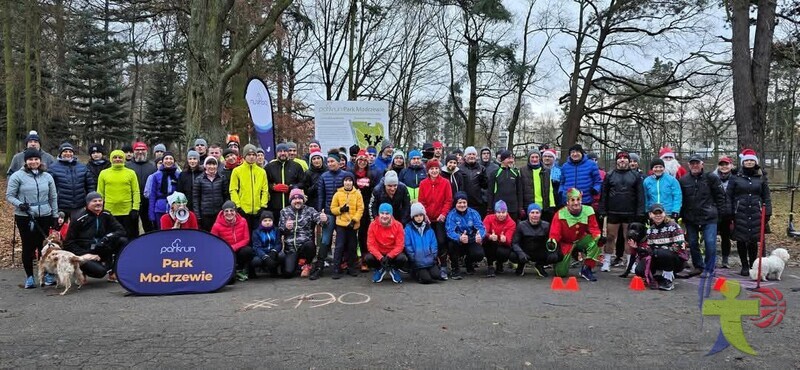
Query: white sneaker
x=606 y=263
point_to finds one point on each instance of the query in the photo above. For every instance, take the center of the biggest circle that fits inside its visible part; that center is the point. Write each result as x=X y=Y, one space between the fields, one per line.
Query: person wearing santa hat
x=671 y=163
x=748 y=191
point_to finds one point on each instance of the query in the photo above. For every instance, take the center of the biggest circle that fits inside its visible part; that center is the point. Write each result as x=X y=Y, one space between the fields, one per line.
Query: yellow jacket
x=353 y=200
x=120 y=189
x=248 y=187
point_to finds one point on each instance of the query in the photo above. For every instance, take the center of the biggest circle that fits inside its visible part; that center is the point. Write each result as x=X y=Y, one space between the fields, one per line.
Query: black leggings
x=399 y=261
x=748 y=252
x=362 y=234
x=724 y=232
x=427 y=275
x=32 y=238
x=472 y=251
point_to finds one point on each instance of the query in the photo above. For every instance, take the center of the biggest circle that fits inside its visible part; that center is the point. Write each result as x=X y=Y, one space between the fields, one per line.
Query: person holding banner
x=232 y=228
x=283 y=174
x=297 y=226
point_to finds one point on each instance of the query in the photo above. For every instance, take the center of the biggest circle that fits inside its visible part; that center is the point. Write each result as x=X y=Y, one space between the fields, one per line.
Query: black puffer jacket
x=186 y=182
x=748 y=190
x=208 y=196
x=282 y=172
x=458 y=181
x=73 y=182
x=476 y=183
x=622 y=194
x=703 y=198
x=143 y=170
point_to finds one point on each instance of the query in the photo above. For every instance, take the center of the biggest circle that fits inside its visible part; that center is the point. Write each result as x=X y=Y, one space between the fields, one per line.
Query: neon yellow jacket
x=248 y=187
x=119 y=188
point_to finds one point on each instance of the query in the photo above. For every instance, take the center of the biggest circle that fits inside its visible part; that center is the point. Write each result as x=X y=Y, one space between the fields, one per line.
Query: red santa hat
x=666 y=152
x=748 y=154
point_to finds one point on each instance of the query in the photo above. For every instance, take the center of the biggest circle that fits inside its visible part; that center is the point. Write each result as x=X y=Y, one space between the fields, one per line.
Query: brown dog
x=61 y=263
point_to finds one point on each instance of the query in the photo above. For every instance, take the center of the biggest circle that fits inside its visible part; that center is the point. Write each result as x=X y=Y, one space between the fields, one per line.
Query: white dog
x=65 y=265
x=771 y=266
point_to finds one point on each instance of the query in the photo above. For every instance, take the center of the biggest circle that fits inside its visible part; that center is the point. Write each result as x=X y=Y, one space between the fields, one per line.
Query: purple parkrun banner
x=175 y=262
x=260 y=105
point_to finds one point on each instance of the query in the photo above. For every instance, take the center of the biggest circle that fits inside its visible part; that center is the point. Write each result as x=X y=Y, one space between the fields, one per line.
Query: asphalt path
x=504 y=322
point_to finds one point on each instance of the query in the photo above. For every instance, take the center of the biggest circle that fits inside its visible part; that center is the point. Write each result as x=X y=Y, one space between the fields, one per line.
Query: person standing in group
x=476 y=181
x=230 y=160
x=73 y=181
x=209 y=193
x=97 y=162
x=581 y=173
x=31 y=141
x=703 y=201
x=165 y=182
x=367 y=179
x=118 y=185
x=201 y=147
x=329 y=182
x=214 y=150
x=671 y=164
x=249 y=188
x=749 y=191
x=725 y=225
x=550 y=163
x=188 y=177
x=453 y=175
x=437 y=198
x=283 y=175
x=32 y=192
x=505 y=184
x=143 y=168
x=348 y=207
x=622 y=202
x=316 y=168
x=398 y=161
x=413 y=175
x=291 y=150
x=537 y=186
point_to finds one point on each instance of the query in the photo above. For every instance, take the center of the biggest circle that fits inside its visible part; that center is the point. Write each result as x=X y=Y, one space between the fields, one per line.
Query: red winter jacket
x=385 y=241
x=493 y=225
x=237 y=235
x=436 y=196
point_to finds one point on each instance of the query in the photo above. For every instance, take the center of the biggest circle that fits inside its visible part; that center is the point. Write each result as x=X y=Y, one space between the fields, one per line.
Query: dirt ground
x=778 y=237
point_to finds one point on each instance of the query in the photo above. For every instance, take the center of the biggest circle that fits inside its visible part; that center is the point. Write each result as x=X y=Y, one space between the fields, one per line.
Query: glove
x=385 y=260
x=344 y=209
x=283 y=188
x=351 y=224
x=675 y=216
x=24 y=207
x=134 y=214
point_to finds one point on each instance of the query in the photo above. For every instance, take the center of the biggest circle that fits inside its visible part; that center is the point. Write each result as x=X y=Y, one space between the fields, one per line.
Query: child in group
x=348 y=207
x=421 y=247
x=61 y=226
x=267 y=246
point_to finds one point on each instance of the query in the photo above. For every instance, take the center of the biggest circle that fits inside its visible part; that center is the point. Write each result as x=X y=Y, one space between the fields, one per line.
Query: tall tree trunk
x=762 y=60
x=472 y=73
x=28 y=74
x=351 y=68
x=11 y=127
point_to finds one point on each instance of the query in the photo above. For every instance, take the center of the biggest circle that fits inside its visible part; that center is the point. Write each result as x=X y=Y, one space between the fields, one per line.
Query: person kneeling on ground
x=499 y=232
x=232 y=228
x=660 y=255
x=421 y=246
x=529 y=242
x=97 y=236
x=385 y=243
x=574 y=229
x=297 y=228
x=466 y=232
x=267 y=246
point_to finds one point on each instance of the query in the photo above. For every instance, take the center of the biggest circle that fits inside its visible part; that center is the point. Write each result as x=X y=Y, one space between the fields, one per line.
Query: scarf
x=168 y=179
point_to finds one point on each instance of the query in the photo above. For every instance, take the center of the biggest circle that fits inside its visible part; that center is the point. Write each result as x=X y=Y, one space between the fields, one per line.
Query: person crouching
x=421 y=247
x=232 y=228
x=385 y=242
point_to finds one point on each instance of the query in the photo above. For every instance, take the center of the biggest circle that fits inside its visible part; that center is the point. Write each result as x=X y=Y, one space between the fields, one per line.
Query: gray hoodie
x=38 y=190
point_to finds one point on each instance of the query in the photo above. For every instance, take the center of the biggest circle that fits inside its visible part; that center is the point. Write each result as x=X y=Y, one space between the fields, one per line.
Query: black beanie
x=576 y=147
x=656 y=162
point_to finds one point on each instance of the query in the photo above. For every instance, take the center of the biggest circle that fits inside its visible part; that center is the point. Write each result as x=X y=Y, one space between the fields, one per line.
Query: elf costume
x=576 y=232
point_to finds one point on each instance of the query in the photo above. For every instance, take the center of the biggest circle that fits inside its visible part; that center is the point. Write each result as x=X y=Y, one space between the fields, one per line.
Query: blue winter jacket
x=382 y=164
x=457 y=223
x=73 y=181
x=264 y=241
x=327 y=185
x=665 y=190
x=421 y=247
x=583 y=175
x=157 y=198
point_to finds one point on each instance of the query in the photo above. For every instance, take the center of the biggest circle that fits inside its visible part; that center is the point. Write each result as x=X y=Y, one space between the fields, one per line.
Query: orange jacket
x=385 y=241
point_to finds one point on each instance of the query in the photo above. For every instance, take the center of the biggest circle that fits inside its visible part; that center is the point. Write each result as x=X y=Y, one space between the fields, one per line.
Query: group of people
x=429 y=214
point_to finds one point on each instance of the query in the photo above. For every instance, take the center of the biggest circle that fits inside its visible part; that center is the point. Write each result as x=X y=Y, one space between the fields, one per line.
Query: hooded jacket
x=457 y=180
x=236 y=235
x=665 y=190
x=119 y=187
x=749 y=190
x=436 y=196
x=420 y=245
x=351 y=198
x=157 y=196
x=475 y=184
x=249 y=187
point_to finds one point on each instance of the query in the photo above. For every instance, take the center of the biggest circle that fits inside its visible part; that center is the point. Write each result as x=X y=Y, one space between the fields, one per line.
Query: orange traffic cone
x=719 y=283
x=637 y=283
x=572 y=284
x=557 y=284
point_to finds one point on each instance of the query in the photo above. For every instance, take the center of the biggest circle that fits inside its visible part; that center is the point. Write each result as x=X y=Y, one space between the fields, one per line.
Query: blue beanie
x=414 y=153
x=385 y=208
x=534 y=207
x=372 y=150
x=458 y=196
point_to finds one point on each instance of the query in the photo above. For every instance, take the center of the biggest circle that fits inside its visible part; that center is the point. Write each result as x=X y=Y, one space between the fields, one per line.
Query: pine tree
x=93 y=86
x=163 y=118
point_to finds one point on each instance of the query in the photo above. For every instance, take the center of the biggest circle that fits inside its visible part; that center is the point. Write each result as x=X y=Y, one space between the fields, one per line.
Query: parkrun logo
x=176 y=247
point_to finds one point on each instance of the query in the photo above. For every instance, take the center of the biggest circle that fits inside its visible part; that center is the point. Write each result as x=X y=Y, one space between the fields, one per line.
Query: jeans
x=709 y=238
x=327 y=236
